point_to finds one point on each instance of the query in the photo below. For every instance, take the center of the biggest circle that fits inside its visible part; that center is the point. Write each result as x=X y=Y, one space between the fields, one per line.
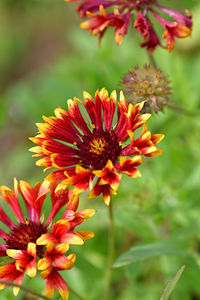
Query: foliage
x=171 y=284
x=160 y=206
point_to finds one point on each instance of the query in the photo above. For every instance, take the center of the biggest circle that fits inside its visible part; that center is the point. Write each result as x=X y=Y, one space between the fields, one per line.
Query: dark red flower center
x=24 y=233
x=97 y=149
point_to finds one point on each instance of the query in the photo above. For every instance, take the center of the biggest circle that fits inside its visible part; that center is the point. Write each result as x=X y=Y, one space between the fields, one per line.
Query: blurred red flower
x=118 y=15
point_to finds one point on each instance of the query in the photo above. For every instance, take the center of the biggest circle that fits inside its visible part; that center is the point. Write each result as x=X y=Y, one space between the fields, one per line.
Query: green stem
x=111 y=247
x=25 y=288
x=152 y=60
x=175 y=107
x=183 y=111
x=75 y=293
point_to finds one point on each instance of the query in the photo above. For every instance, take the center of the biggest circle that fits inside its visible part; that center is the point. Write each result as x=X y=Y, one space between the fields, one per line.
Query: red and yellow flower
x=33 y=244
x=99 y=19
x=98 y=144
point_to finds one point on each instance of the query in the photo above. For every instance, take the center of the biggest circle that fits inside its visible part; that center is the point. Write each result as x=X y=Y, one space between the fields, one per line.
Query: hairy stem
x=111 y=245
x=182 y=110
x=152 y=60
x=25 y=288
x=175 y=107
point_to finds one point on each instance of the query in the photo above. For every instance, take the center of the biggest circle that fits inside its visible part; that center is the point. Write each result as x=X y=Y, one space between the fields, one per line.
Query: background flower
x=120 y=18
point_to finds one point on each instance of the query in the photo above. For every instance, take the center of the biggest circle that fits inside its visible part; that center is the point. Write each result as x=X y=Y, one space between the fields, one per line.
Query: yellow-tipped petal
x=85 y=234
x=14 y=253
x=102 y=10
x=122 y=98
x=103 y=93
x=41 y=162
x=156 y=153
x=62 y=248
x=72 y=239
x=145 y=117
x=157 y=138
x=35 y=149
x=63 y=222
x=87 y=213
x=16 y=290
x=136 y=174
x=31 y=269
x=72 y=257
x=87 y=96
x=44 y=263
x=107 y=200
x=31 y=249
x=113 y=95
x=49 y=292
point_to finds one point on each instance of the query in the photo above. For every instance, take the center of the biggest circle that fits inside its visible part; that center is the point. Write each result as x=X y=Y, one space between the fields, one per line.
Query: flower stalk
x=183 y=111
x=111 y=253
x=172 y=105
x=152 y=60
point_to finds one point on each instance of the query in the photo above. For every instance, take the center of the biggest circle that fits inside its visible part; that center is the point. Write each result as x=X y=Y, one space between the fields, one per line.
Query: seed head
x=148 y=84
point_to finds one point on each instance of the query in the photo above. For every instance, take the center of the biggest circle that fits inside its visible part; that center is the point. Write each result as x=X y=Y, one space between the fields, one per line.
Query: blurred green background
x=44 y=60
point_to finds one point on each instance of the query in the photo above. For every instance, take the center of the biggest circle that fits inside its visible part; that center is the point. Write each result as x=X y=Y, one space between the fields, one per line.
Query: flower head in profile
x=149 y=84
x=32 y=244
x=102 y=14
x=98 y=142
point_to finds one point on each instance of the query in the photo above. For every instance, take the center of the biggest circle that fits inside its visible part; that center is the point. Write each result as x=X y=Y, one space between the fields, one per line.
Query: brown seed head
x=148 y=84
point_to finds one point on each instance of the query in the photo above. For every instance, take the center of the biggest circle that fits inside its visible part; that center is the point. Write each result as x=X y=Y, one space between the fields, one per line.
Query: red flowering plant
x=32 y=244
x=117 y=13
x=104 y=146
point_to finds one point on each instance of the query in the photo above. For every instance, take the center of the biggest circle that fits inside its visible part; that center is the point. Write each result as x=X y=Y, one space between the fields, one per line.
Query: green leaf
x=6 y=260
x=171 y=285
x=139 y=253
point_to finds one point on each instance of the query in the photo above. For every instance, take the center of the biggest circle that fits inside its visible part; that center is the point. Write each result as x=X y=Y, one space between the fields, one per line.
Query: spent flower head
x=149 y=84
x=102 y=14
x=34 y=244
x=104 y=146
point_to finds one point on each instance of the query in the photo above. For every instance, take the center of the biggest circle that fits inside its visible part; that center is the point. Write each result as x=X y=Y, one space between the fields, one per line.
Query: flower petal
x=127 y=166
x=72 y=238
